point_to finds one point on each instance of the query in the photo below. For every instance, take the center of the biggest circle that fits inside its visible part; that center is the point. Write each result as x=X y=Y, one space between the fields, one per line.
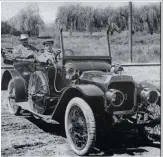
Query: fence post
x=108 y=40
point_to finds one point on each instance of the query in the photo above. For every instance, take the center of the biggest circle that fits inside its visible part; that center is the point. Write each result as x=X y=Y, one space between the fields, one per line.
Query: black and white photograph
x=81 y=78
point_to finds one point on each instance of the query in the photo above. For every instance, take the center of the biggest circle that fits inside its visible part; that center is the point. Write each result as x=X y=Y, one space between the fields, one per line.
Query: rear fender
x=20 y=89
x=92 y=94
x=7 y=75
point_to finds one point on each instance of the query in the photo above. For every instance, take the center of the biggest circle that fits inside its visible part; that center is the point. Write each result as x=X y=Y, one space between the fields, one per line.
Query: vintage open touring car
x=87 y=94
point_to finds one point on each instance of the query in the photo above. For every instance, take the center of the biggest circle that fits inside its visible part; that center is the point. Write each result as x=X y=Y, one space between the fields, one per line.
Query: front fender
x=89 y=90
x=92 y=94
x=143 y=85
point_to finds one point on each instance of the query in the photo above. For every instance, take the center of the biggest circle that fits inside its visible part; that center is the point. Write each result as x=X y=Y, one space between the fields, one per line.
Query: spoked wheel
x=154 y=132
x=80 y=126
x=37 y=89
x=12 y=104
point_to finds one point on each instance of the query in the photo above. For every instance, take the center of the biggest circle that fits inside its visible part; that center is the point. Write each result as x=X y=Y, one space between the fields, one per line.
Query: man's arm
x=43 y=58
x=33 y=48
x=16 y=51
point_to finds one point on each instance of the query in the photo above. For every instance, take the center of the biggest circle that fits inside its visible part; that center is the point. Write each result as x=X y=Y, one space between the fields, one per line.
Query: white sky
x=48 y=10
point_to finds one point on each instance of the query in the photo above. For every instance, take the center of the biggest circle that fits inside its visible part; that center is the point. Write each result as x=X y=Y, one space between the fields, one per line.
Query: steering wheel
x=69 y=52
x=58 y=56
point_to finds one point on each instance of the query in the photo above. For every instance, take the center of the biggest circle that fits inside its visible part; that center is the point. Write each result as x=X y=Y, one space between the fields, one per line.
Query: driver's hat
x=23 y=37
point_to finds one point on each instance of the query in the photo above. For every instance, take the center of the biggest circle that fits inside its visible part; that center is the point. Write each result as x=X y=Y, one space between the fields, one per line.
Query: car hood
x=89 y=65
x=103 y=78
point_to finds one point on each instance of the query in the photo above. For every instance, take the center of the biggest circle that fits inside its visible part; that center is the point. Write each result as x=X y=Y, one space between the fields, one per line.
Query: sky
x=48 y=10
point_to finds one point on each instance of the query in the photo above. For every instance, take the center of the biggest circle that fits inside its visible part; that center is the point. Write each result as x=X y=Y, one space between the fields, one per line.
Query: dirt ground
x=25 y=136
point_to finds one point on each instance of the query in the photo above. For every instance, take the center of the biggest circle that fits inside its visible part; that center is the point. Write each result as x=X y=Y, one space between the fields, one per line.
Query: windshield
x=83 y=44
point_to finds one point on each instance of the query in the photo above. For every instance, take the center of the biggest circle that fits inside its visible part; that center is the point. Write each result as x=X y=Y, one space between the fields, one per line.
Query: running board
x=47 y=118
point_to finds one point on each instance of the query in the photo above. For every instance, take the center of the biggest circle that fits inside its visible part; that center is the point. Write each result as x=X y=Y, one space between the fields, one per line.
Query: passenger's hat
x=46 y=36
x=48 y=41
x=24 y=37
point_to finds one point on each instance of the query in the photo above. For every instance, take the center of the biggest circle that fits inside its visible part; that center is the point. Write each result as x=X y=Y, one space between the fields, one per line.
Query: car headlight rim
x=146 y=94
x=115 y=92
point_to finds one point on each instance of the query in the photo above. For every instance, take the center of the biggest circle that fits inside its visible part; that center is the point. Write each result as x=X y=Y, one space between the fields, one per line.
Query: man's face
x=24 y=42
x=48 y=47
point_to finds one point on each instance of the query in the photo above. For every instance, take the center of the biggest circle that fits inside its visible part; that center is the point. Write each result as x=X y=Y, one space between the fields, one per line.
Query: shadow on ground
x=49 y=127
x=121 y=143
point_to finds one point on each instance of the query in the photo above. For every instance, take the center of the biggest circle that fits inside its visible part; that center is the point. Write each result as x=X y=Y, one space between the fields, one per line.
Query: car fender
x=20 y=89
x=92 y=94
x=6 y=76
x=89 y=90
x=147 y=85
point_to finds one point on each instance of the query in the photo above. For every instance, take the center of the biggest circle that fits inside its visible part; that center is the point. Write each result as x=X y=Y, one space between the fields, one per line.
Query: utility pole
x=130 y=30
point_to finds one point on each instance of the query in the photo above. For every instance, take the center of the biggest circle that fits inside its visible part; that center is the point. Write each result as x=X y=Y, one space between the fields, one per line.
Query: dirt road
x=26 y=136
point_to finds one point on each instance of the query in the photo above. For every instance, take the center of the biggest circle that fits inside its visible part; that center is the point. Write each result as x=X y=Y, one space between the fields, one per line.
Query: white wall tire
x=84 y=121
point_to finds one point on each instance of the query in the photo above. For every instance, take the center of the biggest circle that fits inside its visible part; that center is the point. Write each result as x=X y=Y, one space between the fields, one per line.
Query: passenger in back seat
x=24 y=50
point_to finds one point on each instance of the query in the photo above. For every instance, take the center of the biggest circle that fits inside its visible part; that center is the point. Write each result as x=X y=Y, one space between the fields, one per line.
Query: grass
x=146 y=47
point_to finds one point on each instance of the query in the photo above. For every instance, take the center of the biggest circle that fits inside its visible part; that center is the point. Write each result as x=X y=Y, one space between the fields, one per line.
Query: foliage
x=84 y=18
x=146 y=47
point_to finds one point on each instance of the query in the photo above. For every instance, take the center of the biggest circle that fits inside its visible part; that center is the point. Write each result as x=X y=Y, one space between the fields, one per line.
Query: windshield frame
x=84 y=56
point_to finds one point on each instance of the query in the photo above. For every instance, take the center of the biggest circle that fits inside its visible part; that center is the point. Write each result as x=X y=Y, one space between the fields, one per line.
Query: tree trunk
x=71 y=27
x=90 y=28
x=149 y=26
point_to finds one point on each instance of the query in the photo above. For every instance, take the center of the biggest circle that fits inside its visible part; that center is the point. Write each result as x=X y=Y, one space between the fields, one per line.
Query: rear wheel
x=80 y=126
x=12 y=104
x=37 y=89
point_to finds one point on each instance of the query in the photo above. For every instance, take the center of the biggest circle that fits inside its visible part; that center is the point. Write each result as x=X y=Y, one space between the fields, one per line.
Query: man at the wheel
x=48 y=56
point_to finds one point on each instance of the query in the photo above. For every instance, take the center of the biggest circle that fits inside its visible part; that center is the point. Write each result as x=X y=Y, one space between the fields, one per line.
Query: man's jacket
x=21 y=51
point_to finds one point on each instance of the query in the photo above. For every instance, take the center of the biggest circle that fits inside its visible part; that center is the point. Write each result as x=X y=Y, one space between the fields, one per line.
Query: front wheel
x=80 y=126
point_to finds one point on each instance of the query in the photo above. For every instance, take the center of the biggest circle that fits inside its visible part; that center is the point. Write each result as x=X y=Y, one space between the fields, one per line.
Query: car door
x=25 y=68
x=61 y=81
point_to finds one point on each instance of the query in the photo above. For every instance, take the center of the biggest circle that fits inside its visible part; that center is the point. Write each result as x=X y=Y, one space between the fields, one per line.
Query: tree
x=28 y=19
x=5 y=28
x=125 y=14
x=82 y=18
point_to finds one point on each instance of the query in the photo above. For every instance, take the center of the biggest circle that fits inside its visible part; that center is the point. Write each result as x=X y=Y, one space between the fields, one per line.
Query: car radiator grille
x=128 y=89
